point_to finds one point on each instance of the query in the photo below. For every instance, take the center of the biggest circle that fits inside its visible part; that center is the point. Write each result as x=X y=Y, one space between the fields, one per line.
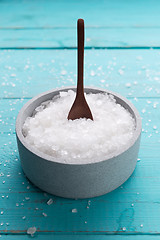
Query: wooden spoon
x=80 y=108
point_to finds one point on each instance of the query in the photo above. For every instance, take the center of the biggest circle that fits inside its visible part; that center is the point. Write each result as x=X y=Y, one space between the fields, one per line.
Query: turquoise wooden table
x=38 y=53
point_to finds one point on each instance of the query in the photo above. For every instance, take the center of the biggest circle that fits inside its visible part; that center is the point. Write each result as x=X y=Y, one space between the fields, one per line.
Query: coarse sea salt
x=82 y=140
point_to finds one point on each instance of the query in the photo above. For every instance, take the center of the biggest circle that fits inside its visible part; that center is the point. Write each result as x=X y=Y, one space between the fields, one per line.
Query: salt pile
x=82 y=140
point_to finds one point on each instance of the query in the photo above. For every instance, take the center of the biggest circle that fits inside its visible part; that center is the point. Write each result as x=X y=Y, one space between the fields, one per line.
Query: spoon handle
x=80 y=33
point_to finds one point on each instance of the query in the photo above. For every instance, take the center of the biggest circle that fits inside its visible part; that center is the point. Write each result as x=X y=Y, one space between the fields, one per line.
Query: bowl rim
x=49 y=158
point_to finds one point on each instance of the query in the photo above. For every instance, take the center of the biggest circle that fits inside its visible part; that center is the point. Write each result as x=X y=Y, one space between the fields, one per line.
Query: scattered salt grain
x=74 y=210
x=139 y=58
x=27 y=198
x=2 y=212
x=102 y=81
x=24 y=217
x=50 y=201
x=124 y=228
x=31 y=230
x=132 y=205
x=82 y=139
x=13 y=75
x=26 y=67
x=44 y=214
x=92 y=73
x=63 y=72
x=141 y=225
x=121 y=72
x=128 y=85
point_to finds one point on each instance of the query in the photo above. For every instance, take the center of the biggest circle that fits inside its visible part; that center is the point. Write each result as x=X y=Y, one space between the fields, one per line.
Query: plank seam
x=80 y=233
x=72 y=27
x=86 y=48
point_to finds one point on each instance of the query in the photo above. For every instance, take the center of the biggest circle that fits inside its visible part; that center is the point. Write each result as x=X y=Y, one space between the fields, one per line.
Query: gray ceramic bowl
x=77 y=180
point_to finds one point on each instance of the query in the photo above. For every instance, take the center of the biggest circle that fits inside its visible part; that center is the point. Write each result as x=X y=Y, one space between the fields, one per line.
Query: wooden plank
x=61 y=13
x=134 y=206
x=82 y=237
x=66 y=37
x=132 y=73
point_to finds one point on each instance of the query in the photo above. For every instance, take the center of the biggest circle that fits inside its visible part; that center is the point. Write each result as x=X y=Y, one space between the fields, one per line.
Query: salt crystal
x=124 y=228
x=26 y=67
x=141 y=225
x=88 y=141
x=121 y=72
x=2 y=212
x=24 y=217
x=139 y=57
x=31 y=230
x=85 y=222
x=63 y=72
x=44 y=214
x=154 y=127
x=74 y=210
x=50 y=201
x=132 y=205
x=128 y=85
x=27 y=198
x=92 y=73
x=102 y=81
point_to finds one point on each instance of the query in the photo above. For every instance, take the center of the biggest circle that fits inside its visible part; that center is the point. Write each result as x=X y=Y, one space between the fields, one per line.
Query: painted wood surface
x=64 y=14
x=133 y=210
x=53 y=24
x=96 y=37
x=83 y=237
x=132 y=73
